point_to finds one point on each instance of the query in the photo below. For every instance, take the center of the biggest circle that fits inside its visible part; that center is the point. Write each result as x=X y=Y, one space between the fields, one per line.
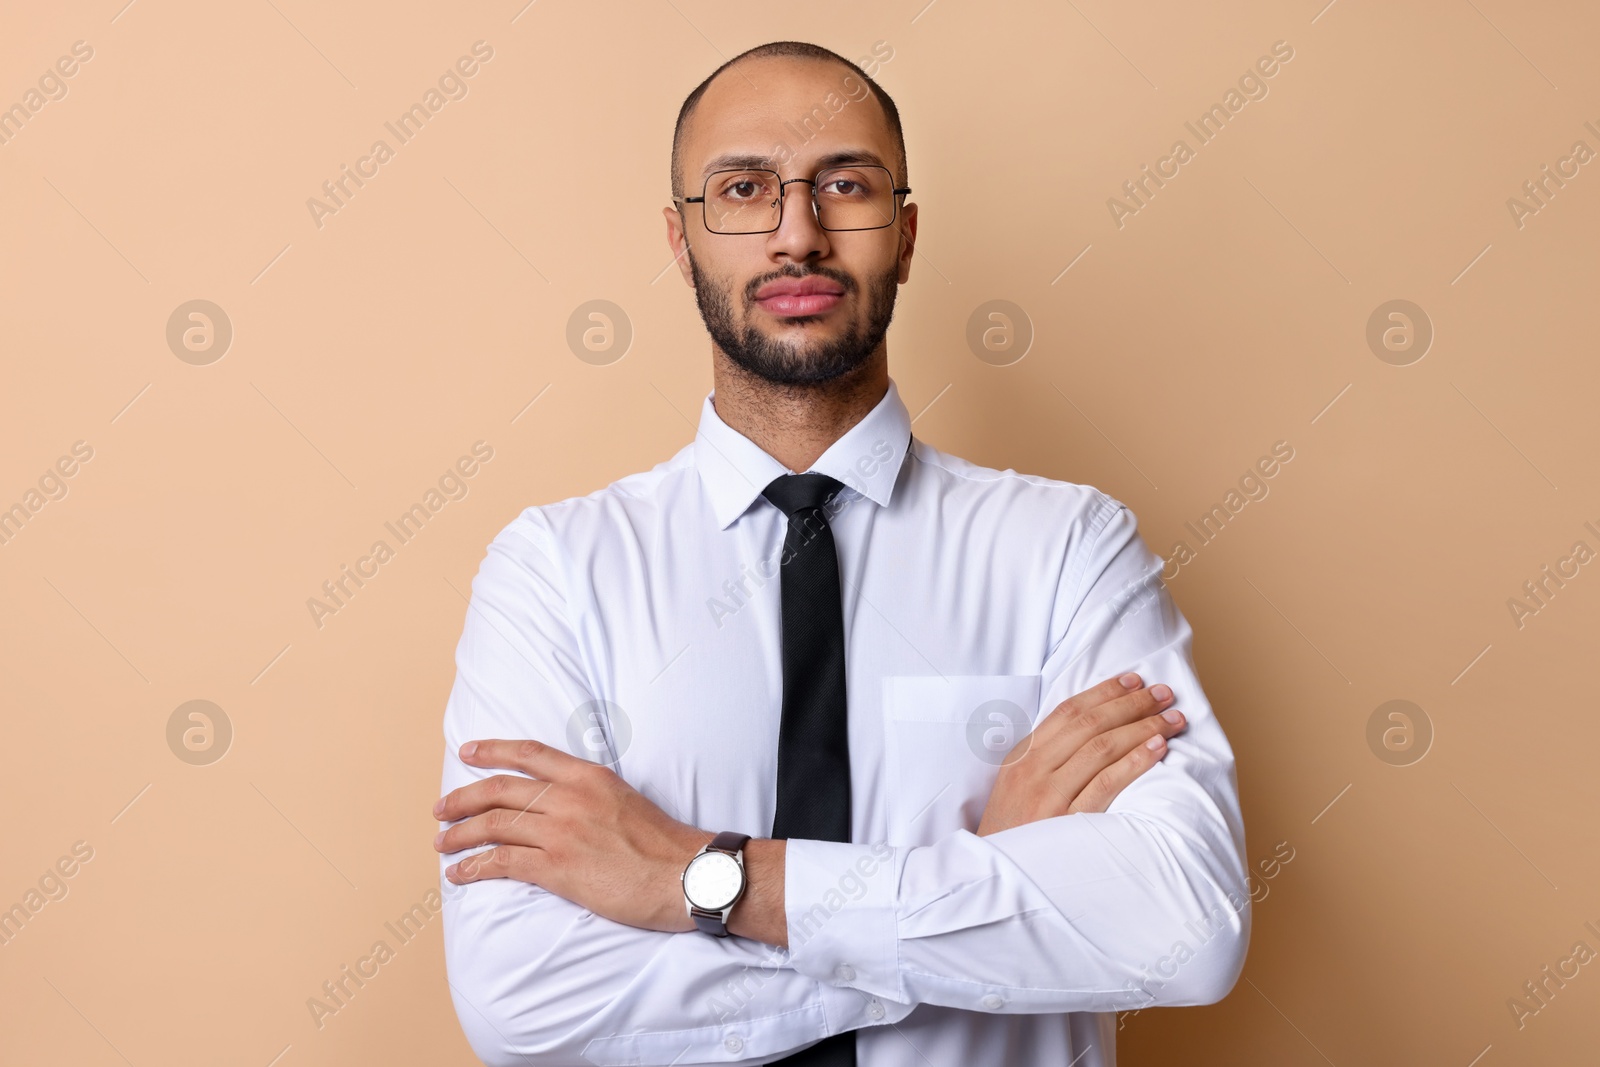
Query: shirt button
x=733 y=1044
x=875 y=1010
x=994 y=1003
x=845 y=973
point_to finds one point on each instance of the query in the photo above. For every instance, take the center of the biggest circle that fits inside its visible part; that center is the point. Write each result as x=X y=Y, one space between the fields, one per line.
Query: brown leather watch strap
x=728 y=841
x=709 y=923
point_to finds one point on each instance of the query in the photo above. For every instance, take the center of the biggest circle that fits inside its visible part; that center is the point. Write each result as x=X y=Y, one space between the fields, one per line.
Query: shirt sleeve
x=538 y=980
x=1144 y=904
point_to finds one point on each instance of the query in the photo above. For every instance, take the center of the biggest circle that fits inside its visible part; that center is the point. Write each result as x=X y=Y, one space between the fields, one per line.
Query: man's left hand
x=574 y=828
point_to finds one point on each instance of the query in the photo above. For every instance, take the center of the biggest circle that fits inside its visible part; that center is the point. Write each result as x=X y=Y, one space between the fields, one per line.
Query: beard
x=780 y=362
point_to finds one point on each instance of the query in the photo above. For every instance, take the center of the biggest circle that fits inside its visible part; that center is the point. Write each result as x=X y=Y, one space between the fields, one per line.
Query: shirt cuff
x=839 y=903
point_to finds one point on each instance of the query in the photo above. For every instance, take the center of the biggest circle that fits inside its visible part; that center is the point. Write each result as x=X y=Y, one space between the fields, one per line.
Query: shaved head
x=799 y=50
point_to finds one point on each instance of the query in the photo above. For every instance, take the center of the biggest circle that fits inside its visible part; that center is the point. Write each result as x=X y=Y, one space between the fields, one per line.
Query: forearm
x=541 y=982
x=1082 y=912
x=759 y=915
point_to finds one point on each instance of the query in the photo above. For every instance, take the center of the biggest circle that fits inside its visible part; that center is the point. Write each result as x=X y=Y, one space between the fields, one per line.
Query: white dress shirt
x=639 y=626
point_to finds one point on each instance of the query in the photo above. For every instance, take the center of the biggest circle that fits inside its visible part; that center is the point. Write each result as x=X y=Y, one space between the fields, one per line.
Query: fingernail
x=1172 y=715
x=438 y=839
x=1155 y=742
x=468 y=749
x=1161 y=692
x=438 y=806
x=1129 y=681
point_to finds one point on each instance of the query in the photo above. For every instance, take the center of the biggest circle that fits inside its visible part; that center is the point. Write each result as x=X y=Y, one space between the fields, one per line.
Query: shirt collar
x=867 y=459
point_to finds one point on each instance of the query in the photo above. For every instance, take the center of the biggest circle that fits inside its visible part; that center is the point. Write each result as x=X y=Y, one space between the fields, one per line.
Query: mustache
x=842 y=279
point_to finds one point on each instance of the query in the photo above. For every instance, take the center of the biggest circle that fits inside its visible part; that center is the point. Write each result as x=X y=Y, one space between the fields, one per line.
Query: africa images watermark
x=1205 y=129
x=737 y=992
x=1252 y=487
x=52 y=887
x=1539 y=994
x=855 y=91
x=452 y=85
x=1538 y=192
x=339 y=991
x=1205 y=928
x=52 y=485
x=1540 y=590
x=768 y=567
x=52 y=86
x=452 y=485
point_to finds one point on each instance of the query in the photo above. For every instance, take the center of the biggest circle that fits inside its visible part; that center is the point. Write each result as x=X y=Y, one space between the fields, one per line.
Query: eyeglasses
x=843 y=198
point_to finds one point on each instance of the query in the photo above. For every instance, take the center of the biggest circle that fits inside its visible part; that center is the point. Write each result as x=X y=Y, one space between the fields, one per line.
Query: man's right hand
x=1083 y=754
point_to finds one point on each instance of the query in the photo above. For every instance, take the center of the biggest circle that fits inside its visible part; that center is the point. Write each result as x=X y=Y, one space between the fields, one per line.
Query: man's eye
x=747 y=189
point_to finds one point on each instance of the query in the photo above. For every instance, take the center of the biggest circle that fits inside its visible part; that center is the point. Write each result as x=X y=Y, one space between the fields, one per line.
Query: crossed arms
x=564 y=920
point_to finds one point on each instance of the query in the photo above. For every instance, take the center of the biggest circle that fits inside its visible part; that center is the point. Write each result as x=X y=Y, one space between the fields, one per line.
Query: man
x=824 y=746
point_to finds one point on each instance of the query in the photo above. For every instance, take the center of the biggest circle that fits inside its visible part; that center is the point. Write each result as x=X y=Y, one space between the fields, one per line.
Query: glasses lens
x=855 y=198
x=742 y=201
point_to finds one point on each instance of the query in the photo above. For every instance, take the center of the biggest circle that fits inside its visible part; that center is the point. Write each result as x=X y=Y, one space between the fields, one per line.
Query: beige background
x=1229 y=313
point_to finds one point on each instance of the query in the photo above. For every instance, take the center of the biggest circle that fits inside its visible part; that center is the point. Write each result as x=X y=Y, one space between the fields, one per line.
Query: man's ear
x=678 y=241
x=908 y=238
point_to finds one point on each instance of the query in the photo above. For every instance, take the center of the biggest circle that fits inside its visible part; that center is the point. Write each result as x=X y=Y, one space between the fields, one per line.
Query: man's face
x=745 y=283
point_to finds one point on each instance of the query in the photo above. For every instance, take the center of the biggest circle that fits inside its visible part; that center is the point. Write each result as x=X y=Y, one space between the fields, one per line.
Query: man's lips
x=797 y=304
x=794 y=297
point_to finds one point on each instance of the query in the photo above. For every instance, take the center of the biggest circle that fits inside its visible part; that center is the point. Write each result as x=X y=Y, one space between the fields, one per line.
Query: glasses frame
x=816 y=209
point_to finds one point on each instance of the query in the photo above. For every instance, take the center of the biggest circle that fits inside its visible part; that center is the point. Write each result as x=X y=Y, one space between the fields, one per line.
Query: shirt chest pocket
x=946 y=737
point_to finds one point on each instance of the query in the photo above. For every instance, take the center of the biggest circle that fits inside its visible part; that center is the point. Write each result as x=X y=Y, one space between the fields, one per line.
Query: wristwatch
x=713 y=881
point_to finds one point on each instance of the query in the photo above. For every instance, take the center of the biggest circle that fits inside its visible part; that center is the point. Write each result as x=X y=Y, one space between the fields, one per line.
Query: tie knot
x=793 y=493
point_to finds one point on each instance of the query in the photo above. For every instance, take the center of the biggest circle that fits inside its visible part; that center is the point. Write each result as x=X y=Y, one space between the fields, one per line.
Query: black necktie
x=813 y=737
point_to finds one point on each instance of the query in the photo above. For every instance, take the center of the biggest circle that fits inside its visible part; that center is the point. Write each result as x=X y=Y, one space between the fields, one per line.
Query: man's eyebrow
x=851 y=155
x=736 y=161
x=745 y=161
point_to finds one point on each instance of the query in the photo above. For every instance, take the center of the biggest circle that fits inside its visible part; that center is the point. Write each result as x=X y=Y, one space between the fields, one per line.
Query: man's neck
x=795 y=424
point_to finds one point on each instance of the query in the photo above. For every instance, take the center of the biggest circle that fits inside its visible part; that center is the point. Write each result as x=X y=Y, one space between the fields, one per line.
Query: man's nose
x=799 y=234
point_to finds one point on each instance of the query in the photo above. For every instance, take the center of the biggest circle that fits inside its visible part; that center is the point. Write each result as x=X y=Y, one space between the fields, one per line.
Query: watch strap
x=728 y=841
x=710 y=922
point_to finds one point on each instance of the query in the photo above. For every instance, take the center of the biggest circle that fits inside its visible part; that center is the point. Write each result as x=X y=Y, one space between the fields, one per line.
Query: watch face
x=712 y=880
